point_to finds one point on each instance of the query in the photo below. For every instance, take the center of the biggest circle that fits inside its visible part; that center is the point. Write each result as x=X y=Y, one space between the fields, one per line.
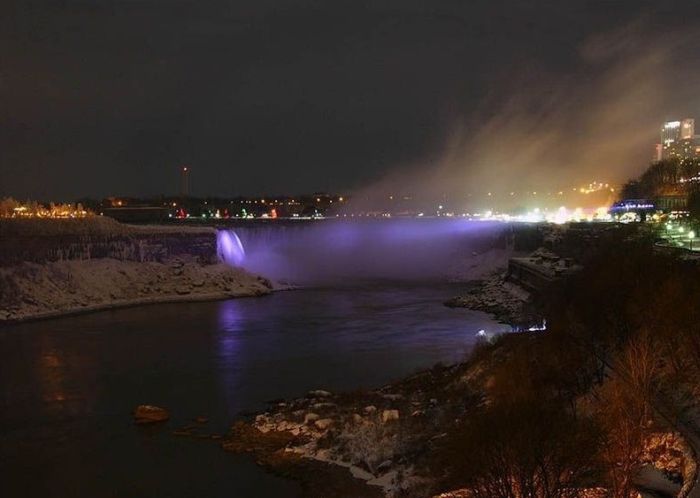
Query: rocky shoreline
x=383 y=442
x=31 y=291
x=506 y=301
x=365 y=443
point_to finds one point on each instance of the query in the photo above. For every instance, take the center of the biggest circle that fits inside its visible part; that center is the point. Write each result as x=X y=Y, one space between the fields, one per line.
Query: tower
x=185 y=182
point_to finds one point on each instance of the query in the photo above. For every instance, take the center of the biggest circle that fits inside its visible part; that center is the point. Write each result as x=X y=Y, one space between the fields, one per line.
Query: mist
x=548 y=131
x=341 y=252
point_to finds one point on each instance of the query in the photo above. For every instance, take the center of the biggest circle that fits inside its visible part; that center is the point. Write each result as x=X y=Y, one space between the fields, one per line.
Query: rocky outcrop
x=55 y=267
x=494 y=295
x=33 y=290
x=380 y=437
x=44 y=241
x=149 y=414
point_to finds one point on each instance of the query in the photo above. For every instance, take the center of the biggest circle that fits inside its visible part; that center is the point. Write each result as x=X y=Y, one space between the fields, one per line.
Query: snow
x=35 y=290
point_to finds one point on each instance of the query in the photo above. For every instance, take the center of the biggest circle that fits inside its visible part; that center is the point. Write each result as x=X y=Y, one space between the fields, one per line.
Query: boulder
x=323 y=423
x=389 y=415
x=311 y=417
x=370 y=409
x=319 y=393
x=148 y=414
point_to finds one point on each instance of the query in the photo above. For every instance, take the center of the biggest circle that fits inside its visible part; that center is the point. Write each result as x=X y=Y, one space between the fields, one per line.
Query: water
x=335 y=251
x=67 y=386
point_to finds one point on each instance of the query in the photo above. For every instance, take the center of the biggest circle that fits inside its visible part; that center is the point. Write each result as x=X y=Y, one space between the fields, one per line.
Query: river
x=68 y=386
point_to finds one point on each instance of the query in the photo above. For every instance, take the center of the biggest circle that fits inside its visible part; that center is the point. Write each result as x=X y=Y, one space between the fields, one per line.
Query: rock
x=148 y=414
x=311 y=417
x=320 y=393
x=384 y=466
x=198 y=283
x=323 y=406
x=370 y=409
x=389 y=415
x=392 y=397
x=357 y=418
x=324 y=423
x=182 y=290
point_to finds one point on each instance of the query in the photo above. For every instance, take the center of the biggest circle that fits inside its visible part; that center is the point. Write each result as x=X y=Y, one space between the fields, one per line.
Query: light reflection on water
x=68 y=386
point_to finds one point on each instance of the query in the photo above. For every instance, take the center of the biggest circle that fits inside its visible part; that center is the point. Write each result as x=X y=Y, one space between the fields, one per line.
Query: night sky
x=263 y=97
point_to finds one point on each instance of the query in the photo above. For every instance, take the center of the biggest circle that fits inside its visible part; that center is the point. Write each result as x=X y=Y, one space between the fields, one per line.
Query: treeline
x=668 y=177
x=12 y=208
x=571 y=408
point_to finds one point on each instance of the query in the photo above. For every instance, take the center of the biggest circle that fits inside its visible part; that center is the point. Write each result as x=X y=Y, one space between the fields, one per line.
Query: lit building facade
x=678 y=139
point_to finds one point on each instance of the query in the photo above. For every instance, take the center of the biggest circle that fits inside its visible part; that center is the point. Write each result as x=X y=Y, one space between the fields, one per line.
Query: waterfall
x=229 y=248
x=336 y=251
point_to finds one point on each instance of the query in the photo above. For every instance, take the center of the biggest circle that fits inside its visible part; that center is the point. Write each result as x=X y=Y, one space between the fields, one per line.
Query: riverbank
x=381 y=439
x=30 y=291
x=393 y=441
x=506 y=301
x=51 y=268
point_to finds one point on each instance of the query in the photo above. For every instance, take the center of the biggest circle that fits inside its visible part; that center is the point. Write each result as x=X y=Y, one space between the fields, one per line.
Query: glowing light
x=229 y=248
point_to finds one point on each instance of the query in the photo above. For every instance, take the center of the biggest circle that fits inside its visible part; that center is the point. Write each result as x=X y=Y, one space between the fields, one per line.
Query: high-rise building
x=185 y=181
x=678 y=139
x=670 y=132
x=688 y=129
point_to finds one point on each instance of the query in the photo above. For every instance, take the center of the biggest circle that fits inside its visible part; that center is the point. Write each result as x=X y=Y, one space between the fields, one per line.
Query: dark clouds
x=100 y=97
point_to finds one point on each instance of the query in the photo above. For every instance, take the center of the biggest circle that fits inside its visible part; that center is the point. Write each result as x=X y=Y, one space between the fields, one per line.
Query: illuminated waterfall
x=229 y=248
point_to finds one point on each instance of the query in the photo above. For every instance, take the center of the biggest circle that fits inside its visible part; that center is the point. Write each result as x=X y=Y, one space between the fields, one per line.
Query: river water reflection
x=67 y=386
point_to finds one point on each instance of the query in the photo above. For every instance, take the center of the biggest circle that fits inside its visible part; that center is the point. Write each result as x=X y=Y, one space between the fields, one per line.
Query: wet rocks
x=149 y=414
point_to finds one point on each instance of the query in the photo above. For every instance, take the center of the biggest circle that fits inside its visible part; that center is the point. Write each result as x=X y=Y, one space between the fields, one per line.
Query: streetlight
x=691 y=236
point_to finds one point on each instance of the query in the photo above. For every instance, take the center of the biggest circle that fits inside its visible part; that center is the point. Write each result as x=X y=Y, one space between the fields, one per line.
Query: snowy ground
x=31 y=290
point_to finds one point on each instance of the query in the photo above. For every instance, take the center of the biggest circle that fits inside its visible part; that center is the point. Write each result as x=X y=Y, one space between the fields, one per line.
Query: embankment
x=55 y=267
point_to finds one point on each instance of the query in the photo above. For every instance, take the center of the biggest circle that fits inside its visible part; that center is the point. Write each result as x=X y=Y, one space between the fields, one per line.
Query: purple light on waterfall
x=229 y=248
